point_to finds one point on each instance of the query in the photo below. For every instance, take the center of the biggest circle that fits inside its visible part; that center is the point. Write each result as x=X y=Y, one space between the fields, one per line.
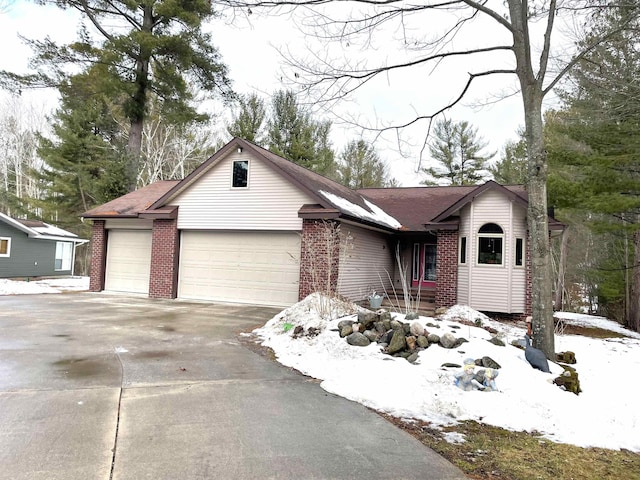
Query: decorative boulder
x=346 y=330
x=459 y=341
x=441 y=310
x=422 y=341
x=411 y=316
x=417 y=329
x=496 y=341
x=447 y=340
x=396 y=325
x=367 y=319
x=371 y=335
x=433 y=338
x=357 y=339
x=398 y=342
x=411 y=342
x=566 y=357
x=343 y=323
x=413 y=357
x=487 y=362
x=384 y=315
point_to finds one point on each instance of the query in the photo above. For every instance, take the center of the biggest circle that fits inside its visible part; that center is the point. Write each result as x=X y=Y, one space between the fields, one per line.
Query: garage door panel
x=246 y=267
x=128 y=261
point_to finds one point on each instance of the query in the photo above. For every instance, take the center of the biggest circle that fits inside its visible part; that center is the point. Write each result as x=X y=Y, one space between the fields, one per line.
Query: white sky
x=249 y=49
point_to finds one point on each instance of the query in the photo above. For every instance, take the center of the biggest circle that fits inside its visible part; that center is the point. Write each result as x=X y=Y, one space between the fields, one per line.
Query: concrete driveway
x=94 y=386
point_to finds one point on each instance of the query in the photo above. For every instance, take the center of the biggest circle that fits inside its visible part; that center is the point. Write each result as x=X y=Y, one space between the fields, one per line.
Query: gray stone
x=387 y=324
x=422 y=341
x=413 y=358
x=407 y=328
x=367 y=319
x=488 y=362
x=398 y=342
x=379 y=326
x=433 y=338
x=346 y=330
x=384 y=316
x=411 y=316
x=459 y=341
x=342 y=323
x=432 y=325
x=451 y=365
x=416 y=329
x=441 y=310
x=357 y=339
x=497 y=341
x=396 y=325
x=447 y=340
x=371 y=335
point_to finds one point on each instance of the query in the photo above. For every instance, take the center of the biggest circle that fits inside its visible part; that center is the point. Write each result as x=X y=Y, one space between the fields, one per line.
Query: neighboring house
x=248 y=226
x=30 y=248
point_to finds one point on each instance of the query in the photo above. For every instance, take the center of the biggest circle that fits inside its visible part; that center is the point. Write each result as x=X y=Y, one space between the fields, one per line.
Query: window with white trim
x=240 y=174
x=519 y=260
x=5 y=246
x=63 y=255
x=490 y=244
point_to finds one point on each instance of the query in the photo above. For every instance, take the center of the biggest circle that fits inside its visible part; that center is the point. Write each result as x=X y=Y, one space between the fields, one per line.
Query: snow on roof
x=376 y=215
x=54 y=231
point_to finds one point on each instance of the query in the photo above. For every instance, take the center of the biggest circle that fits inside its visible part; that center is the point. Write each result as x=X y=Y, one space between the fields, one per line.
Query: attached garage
x=240 y=266
x=128 y=261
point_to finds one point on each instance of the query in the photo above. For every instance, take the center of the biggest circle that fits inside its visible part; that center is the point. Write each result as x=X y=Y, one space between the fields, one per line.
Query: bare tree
x=515 y=39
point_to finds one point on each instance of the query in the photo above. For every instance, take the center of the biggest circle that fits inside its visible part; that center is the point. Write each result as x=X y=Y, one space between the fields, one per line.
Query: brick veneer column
x=163 y=280
x=319 y=257
x=447 y=269
x=98 y=256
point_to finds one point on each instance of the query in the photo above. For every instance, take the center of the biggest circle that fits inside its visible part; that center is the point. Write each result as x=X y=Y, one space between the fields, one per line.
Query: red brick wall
x=163 y=281
x=320 y=257
x=447 y=269
x=98 y=256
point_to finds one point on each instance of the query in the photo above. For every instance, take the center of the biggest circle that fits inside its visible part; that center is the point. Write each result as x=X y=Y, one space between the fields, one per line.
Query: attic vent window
x=490 y=244
x=240 y=174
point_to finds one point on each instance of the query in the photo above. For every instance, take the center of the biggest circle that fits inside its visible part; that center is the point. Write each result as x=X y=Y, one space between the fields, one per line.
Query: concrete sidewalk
x=94 y=386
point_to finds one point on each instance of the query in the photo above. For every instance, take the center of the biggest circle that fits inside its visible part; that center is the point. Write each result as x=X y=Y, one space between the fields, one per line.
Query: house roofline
x=31 y=233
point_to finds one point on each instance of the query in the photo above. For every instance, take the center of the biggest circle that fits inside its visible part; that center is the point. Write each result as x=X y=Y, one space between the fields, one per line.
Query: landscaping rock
x=358 y=327
x=299 y=330
x=566 y=357
x=396 y=325
x=432 y=325
x=433 y=338
x=371 y=335
x=417 y=329
x=422 y=341
x=460 y=341
x=411 y=316
x=387 y=323
x=379 y=326
x=346 y=330
x=447 y=340
x=451 y=365
x=398 y=342
x=407 y=328
x=384 y=316
x=568 y=380
x=357 y=339
x=367 y=319
x=411 y=342
x=488 y=362
x=441 y=310
x=343 y=323
x=413 y=358
x=497 y=341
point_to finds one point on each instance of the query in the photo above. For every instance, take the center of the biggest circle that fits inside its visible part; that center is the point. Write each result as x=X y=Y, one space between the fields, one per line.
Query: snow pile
x=376 y=214
x=604 y=415
x=48 y=285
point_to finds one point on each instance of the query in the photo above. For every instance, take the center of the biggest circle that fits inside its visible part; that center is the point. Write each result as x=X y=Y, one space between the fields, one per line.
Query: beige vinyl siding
x=269 y=202
x=496 y=288
x=518 y=274
x=365 y=259
x=464 y=270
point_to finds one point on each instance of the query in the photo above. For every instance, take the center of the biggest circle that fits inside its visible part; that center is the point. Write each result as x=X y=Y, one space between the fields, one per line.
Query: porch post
x=319 y=257
x=447 y=268
x=163 y=280
x=98 y=256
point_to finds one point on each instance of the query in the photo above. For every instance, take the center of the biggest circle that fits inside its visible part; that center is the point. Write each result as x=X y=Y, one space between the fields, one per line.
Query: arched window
x=490 y=244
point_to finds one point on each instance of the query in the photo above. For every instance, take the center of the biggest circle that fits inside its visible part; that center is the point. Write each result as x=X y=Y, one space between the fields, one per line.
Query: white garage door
x=128 y=261
x=244 y=267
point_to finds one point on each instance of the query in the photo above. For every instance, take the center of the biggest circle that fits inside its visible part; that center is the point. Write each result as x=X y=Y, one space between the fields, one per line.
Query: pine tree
x=147 y=47
x=361 y=167
x=295 y=135
x=248 y=123
x=511 y=169
x=457 y=149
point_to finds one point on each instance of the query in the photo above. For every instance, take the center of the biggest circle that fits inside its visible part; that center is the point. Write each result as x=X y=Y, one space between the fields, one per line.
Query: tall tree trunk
x=633 y=321
x=138 y=105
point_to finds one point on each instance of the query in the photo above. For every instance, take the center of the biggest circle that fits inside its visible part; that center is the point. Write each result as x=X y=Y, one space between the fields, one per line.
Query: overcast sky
x=250 y=51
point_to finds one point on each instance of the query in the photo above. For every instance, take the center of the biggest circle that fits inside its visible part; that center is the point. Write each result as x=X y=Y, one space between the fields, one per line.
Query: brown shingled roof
x=131 y=204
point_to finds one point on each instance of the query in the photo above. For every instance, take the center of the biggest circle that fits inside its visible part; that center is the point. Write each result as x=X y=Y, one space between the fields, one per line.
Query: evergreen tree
x=458 y=150
x=295 y=135
x=511 y=169
x=361 y=167
x=84 y=164
x=146 y=47
x=249 y=122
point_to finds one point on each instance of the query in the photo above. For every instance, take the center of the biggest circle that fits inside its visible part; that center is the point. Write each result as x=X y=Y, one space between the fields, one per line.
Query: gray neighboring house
x=30 y=248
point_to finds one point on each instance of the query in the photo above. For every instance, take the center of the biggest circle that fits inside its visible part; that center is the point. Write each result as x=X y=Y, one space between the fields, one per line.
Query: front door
x=424 y=265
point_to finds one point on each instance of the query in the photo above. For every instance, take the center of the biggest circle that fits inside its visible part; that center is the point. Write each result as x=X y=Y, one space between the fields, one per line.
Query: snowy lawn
x=48 y=285
x=604 y=415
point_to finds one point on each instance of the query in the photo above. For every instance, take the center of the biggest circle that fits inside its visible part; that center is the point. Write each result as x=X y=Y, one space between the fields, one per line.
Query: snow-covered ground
x=49 y=285
x=605 y=414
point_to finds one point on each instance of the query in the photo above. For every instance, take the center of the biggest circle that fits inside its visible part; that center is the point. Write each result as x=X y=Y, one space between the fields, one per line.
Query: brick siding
x=447 y=269
x=163 y=282
x=98 y=256
x=320 y=257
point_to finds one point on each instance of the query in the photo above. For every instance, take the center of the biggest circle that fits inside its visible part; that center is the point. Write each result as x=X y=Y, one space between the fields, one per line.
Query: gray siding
x=28 y=257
